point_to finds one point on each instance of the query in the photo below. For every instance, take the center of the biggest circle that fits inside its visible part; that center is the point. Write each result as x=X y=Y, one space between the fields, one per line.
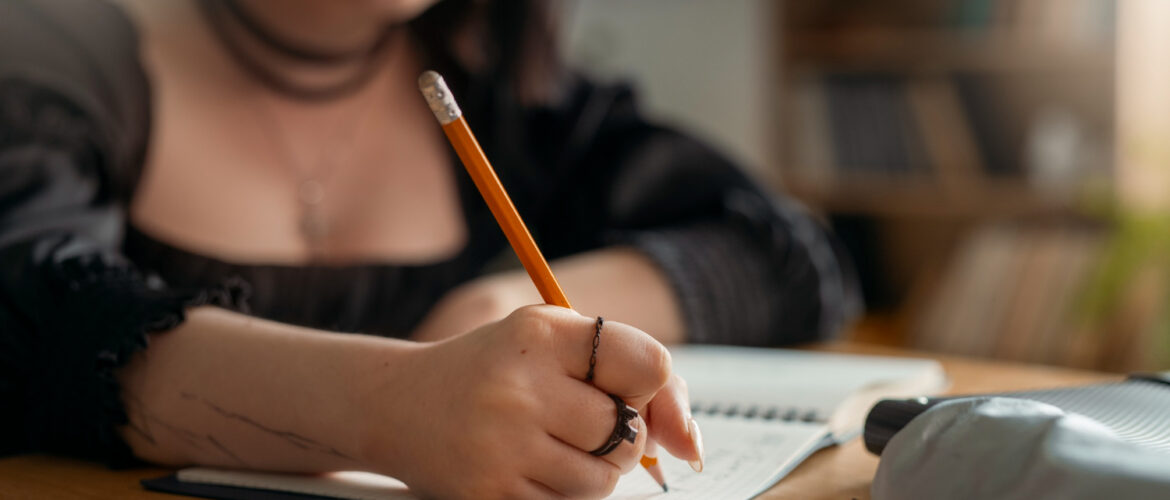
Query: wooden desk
x=838 y=473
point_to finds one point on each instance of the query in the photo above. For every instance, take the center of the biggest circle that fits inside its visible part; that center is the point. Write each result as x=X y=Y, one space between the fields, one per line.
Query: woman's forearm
x=618 y=283
x=625 y=285
x=231 y=390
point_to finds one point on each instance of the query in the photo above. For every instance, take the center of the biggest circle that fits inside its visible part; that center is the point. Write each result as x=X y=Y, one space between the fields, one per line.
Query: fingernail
x=696 y=443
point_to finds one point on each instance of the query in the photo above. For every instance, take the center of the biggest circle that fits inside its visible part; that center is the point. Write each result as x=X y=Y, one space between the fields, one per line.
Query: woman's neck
x=339 y=26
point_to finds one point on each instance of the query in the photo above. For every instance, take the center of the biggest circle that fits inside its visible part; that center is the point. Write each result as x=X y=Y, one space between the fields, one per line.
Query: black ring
x=596 y=342
x=623 y=429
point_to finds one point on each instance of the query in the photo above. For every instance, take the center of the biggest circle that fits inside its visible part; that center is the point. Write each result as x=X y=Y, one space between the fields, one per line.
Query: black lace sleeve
x=73 y=108
x=748 y=267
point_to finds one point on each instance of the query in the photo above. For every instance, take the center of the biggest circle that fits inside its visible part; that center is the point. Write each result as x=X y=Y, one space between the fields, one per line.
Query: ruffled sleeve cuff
x=98 y=313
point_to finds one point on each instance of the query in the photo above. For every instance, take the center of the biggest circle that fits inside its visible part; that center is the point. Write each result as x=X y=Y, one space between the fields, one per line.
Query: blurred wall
x=701 y=65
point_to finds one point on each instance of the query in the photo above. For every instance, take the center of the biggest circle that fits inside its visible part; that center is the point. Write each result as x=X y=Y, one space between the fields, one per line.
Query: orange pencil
x=442 y=103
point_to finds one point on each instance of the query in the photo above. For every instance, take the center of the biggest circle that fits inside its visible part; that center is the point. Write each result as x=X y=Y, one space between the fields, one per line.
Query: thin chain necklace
x=311 y=181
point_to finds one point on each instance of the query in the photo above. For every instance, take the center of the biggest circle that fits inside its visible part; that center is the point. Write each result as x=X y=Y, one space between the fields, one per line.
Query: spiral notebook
x=762 y=412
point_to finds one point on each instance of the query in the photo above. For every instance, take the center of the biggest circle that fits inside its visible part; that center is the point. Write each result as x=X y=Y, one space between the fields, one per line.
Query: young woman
x=202 y=201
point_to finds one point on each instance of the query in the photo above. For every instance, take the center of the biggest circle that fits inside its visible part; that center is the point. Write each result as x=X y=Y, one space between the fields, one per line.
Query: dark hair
x=510 y=41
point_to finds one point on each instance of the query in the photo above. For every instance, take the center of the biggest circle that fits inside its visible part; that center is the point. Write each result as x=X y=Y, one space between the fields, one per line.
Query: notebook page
x=743 y=458
x=810 y=382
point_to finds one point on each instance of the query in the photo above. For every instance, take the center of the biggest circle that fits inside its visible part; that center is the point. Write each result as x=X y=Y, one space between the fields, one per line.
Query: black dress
x=80 y=290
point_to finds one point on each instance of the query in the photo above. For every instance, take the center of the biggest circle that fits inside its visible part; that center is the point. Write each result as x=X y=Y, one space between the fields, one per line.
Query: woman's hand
x=504 y=412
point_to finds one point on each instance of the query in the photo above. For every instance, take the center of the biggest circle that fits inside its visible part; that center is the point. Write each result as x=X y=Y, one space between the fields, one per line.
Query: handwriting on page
x=744 y=457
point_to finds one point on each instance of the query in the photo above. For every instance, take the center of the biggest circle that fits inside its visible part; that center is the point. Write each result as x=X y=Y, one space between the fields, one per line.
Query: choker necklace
x=367 y=59
x=293 y=49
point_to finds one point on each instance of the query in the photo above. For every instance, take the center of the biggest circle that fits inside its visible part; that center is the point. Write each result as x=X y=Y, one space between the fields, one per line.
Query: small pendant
x=314 y=226
x=311 y=192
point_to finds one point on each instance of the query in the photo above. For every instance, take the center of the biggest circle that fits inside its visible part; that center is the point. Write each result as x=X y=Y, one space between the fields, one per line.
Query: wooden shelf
x=926 y=198
x=943 y=50
x=914 y=127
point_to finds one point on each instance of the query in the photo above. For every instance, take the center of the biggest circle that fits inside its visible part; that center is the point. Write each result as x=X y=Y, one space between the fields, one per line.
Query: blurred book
x=871 y=125
x=1011 y=293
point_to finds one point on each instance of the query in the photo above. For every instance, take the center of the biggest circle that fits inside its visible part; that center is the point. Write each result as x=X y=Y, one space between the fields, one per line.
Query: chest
x=242 y=176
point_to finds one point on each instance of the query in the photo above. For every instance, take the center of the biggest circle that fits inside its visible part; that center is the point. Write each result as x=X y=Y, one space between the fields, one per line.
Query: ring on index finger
x=596 y=343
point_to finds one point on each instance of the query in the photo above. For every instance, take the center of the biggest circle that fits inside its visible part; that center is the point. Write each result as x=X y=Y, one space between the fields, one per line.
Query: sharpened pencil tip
x=665 y=489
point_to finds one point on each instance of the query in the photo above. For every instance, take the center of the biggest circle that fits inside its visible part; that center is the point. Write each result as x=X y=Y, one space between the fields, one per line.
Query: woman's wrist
x=380 y=373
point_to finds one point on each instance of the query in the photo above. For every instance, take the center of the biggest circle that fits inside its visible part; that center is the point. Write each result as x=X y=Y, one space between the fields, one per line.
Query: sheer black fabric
x=80 y=291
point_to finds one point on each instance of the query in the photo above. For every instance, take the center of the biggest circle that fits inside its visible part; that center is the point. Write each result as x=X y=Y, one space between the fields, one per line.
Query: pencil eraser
x=439 y=97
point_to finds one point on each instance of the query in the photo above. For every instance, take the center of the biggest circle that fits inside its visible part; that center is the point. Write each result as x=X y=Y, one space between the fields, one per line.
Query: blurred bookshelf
x=958 y=147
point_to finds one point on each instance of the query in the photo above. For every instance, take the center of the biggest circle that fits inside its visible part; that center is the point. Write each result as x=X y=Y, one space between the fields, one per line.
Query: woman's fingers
x=671 y=424
x=573 y=473
x=629 y=362
x=583 y=417
x=536 y=489
x=578 y=414
x=527 y=374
